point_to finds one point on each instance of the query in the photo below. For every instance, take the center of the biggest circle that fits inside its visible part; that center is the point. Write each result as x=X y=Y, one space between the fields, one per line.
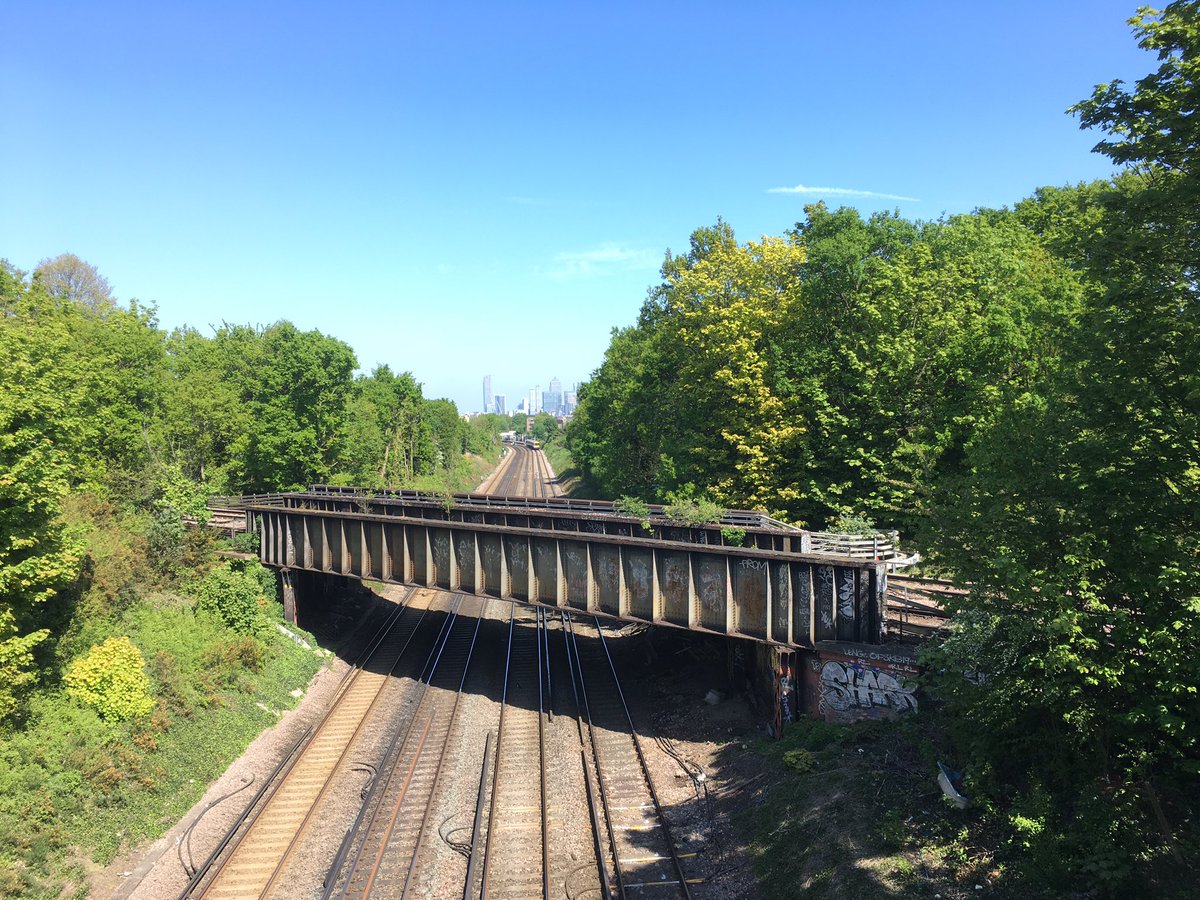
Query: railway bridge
x=746 y=577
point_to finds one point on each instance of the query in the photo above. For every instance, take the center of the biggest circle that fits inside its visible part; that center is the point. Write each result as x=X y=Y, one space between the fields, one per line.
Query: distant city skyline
x=553 y=399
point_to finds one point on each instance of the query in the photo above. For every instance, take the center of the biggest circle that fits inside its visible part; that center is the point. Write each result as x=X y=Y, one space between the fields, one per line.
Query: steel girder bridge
x=747 y=577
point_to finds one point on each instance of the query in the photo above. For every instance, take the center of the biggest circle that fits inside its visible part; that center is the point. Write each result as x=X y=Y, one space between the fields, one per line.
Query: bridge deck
x=770 y=587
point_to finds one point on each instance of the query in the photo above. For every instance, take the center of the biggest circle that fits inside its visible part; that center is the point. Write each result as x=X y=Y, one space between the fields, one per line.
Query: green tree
x=294 y=386
x=206 y=420
x=447 y=431
x=840 y=369
x=613 y=435
x=717 y=318
x=545 y=426
x=1085 y=621
x=386 y=436
x=123 y=407
x=40 y=387
x=240 y=596
x=68 y=278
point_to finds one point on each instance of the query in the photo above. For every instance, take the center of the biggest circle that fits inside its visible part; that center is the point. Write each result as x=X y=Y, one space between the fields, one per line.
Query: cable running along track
x=264 y=837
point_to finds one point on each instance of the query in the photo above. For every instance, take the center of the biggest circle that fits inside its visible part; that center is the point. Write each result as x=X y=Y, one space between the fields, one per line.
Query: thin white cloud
x=843 y=192
x=602 y=260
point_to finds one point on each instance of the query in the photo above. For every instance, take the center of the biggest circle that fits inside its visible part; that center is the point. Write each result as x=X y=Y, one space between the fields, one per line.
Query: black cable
x=365 y=767
x=585 y=891
x=464 y=849
x=189 y=865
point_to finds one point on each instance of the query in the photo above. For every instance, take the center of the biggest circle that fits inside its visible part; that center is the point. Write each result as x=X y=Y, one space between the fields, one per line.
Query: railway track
x=583 y=822
x=516 y=859
x=523 y=473
x=381 y=853
x=256 y=851
x=633 y=836
x=566 y=804
x=915 y=607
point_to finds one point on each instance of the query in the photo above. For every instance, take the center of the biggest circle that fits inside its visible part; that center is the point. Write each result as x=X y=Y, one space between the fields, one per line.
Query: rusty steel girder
x=780 y=596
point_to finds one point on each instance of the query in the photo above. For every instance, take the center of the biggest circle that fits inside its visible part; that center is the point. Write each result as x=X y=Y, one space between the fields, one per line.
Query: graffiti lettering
x=846 y=595
x=847 y=687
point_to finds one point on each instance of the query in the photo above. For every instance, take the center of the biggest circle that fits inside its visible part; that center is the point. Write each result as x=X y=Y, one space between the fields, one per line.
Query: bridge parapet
x=771 y=588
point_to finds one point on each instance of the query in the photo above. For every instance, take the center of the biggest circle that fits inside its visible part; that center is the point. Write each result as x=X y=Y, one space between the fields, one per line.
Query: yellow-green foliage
x=111 y=678
x=17 y=674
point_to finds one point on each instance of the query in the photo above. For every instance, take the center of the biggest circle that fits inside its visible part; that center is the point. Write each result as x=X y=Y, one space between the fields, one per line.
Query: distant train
x=511 y=437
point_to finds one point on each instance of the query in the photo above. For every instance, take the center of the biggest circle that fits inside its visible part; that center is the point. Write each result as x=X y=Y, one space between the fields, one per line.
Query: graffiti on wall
x=850 y=690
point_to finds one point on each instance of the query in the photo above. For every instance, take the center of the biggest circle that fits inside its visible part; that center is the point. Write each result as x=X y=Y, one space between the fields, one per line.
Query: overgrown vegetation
x=1017 y=391
x=634 y=508
x=75 y=780
x=133 y=667
x=856 y=811
x=688 y=507
x=572 y=481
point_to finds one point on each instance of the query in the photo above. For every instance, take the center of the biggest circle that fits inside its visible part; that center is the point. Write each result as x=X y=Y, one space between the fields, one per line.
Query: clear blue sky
x=471 y=188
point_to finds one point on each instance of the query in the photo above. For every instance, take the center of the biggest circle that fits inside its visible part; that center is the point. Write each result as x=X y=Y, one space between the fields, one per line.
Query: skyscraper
x=554 y=397
x=487 y=393
x=500 y=400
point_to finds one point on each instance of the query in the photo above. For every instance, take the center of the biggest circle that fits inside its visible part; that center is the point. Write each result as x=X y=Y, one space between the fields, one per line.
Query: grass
x=469 y=470
x=73 y=787
x=570 y=478
x=856 y=812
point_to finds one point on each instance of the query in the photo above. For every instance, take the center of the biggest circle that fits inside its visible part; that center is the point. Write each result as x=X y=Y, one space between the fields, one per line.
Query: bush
x=111 y=679
x=238 y=595
x=852 y=523
x=166 y=537
x=245 y=542
x=799 y=759
x=734 y=536
x=17 y=671
x=638 y=509
x=632 y=506
x=690 y=508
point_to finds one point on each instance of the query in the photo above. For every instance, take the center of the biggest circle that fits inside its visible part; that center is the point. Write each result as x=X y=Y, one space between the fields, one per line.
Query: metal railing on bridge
x=735 y=528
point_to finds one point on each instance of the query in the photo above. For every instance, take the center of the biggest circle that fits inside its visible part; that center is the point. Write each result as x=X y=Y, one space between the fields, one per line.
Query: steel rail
x=543 y=647
x=501 y=482
x=202 y=872
x=293 y=760
x=331 y=877
x=512 y=465
x=683 y=882
x=473 y=857
x=608 y=818
x=487 y=847
x=426 y=711
x=572 y=666
x=453 y=714
x=643 y=776
x=505 y=753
